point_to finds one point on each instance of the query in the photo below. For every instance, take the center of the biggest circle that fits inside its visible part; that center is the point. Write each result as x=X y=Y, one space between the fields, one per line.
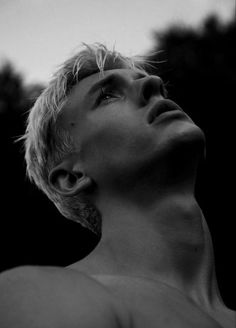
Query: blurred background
x=195 y=42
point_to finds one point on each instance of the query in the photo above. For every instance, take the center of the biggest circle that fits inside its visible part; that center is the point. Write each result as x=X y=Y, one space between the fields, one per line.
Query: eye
x=107 y=96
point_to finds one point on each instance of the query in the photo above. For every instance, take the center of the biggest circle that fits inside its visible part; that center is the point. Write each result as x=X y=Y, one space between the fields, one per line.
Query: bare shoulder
x=32 y=296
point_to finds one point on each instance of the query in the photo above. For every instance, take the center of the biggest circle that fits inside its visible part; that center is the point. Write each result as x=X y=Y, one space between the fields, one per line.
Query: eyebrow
x=111 y=78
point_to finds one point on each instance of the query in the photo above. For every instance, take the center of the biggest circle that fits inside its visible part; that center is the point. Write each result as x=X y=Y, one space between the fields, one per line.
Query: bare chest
x=156 y=305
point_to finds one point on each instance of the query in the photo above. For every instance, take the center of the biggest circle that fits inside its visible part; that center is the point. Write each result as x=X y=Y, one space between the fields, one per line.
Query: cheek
x=114 y=146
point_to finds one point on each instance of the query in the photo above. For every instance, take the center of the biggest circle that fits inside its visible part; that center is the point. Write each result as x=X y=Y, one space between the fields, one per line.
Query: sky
x=38 y=35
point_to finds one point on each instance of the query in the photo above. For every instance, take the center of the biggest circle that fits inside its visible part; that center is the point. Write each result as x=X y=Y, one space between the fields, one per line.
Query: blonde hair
x=46 y=145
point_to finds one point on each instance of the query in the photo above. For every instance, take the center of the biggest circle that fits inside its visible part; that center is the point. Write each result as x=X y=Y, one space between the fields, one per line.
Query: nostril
x=149 y=90
x=153 y=86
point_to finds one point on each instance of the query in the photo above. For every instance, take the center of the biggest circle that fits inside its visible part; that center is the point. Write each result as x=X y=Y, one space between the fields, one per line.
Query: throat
x=168 y=242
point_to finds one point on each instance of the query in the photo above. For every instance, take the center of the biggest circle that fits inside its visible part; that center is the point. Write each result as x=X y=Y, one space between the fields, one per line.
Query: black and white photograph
x=117 y=164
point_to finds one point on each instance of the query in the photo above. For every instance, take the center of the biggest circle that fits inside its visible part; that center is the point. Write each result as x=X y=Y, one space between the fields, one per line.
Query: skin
x=154 y=264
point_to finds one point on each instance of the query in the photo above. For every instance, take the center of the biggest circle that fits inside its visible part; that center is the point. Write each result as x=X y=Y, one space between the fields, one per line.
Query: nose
x=152 y=86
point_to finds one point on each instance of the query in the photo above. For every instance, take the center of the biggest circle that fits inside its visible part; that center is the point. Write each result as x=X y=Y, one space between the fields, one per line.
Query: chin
x=189 y=132
x=184 y=137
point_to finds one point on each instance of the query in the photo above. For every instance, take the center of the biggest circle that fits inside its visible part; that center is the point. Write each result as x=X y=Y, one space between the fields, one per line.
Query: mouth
x=162 y=106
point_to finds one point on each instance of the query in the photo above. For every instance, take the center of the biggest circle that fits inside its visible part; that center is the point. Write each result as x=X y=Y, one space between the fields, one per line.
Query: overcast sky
x=37 y=35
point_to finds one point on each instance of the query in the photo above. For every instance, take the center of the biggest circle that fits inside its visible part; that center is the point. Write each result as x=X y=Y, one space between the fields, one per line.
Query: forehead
x=78 y=98
x=86 y=83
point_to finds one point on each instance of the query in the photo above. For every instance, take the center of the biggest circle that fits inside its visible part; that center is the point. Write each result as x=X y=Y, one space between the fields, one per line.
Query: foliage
x=198 y=67
x=199 y=72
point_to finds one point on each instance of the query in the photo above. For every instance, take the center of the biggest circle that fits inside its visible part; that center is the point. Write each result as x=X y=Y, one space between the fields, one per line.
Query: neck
x=158 y=232
x=168 y=241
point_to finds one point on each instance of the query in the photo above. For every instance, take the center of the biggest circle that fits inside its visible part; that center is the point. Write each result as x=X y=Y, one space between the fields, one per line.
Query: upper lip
x=161 y=106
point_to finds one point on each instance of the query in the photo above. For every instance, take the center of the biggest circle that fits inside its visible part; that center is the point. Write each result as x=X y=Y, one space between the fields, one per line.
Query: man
x=114 y=154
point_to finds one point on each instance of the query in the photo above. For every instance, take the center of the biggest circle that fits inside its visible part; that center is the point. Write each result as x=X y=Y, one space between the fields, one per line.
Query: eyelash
x=103 y=94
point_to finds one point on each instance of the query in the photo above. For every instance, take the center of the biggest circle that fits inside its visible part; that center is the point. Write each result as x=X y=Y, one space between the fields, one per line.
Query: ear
x=67 y=181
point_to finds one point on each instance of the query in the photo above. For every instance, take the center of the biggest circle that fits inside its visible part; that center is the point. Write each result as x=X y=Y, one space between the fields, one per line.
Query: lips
x=162 y=106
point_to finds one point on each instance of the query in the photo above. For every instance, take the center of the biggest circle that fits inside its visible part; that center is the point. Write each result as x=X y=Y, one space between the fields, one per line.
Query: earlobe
x=68 y=183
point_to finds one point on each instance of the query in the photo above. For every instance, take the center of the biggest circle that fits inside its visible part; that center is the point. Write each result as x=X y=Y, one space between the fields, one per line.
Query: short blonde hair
x=46 y=144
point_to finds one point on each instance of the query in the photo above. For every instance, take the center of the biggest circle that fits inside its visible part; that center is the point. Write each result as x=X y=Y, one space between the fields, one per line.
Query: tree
x=32 y=229
x=199 y=72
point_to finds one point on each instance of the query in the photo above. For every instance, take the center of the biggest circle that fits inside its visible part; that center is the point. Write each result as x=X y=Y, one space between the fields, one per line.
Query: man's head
x=98 y=125
x=47 y=144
